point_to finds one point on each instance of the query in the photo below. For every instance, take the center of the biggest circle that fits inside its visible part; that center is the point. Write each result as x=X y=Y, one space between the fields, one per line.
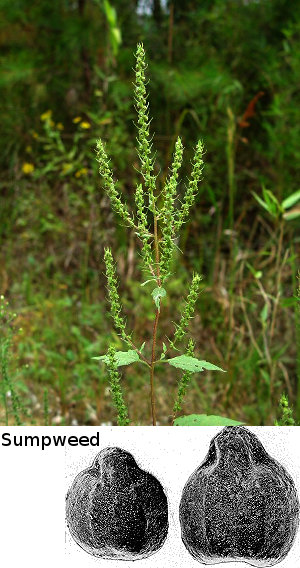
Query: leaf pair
x=184 y=362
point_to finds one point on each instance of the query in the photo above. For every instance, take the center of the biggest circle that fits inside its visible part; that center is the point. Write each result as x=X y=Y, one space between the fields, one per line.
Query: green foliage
x=189 y=309
x=204 y=420
x=114 y=299
x=106 y=174
x=192 y=364
x=121 y=358
x=183 y=382
x=157 y=294
x=114 y=30
x=168 y=225
x=46 y=407
x=7 y=384
x=172 y=220
x=115 y=388
x=276 y=209
x=192 y=189
x=286 y=413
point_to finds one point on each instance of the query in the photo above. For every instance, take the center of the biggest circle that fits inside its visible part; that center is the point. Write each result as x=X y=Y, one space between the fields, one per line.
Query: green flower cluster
x=189 y=309
x=184 y=381
x=143 y=139
x=113 y=295
x=167 y=213
x=286 y=418
x=109 y=184
x=143 y=232
x=192 y=188
x=115 y=388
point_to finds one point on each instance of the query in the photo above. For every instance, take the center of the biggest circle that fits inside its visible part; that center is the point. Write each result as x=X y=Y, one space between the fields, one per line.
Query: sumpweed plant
x=157 y=220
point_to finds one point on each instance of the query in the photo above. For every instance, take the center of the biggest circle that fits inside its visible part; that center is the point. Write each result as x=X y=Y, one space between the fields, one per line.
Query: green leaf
x=157 y=294
x=116 y=34
x=264 y=313
x=292 y=214
x=260 y=201
x=265 y=376
x=192 y=364
x=147 y=282
x=205 y=420
x=256 y=273
x=110 y=13
x=287 y=302
x=291 y=200
x=121 y=357
x=272 y=202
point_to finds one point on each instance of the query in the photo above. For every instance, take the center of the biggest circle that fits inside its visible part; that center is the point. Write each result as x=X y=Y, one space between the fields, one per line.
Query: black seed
x=240 y=504
x=116 y=510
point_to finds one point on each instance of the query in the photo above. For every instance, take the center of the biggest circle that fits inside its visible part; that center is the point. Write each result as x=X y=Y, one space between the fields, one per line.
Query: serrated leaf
x=291 y=200
x=122 y=357
x=210 y=367
x=157 y=294
x=191 y=364
x=205 y=420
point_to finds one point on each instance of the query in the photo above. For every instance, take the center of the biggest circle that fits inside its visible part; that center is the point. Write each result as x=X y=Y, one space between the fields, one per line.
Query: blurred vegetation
x=222 y=71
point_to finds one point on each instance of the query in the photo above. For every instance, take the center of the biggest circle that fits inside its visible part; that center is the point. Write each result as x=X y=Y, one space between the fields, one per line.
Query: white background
x=34 y=484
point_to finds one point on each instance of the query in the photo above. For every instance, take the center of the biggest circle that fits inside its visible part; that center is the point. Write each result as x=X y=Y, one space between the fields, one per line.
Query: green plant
x=286 y=413
x=157 y=221
x=7 y=331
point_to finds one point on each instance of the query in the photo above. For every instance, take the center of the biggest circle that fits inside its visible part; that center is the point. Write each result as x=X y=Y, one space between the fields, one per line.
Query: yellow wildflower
x=85 y=125
x=46 y=115
x=81 y=172
x=76 y=119
x=27 y=168
x=60 y=126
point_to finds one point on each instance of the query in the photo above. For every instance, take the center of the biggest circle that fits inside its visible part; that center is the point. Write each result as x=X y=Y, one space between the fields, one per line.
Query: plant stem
x=152 y=363
x=278 y=271
x=152 y=390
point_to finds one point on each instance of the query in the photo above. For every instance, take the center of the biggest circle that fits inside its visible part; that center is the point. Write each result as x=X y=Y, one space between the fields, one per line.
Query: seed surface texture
x=116 y=510
x=240 y=504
